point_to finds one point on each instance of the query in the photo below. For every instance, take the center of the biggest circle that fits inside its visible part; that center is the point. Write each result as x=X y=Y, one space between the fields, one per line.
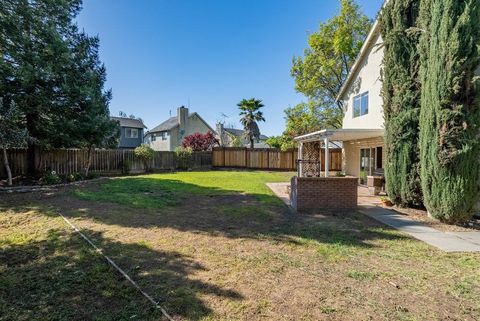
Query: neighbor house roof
x=129 y=122
x=172 y=122
x=240 y=132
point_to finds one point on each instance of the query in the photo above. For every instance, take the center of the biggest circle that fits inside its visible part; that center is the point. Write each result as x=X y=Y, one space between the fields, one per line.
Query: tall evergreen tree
x=450 y=109
x=90 y=125
x=54 y=75
x=35 y=48
x=401 y=101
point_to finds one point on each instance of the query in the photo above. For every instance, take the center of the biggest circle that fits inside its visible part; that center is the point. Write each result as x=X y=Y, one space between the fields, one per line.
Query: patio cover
x=344 y=134
x=333 y=135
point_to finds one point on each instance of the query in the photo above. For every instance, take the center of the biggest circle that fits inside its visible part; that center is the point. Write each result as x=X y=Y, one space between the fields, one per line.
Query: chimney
x=220 y=133
x=182 y=118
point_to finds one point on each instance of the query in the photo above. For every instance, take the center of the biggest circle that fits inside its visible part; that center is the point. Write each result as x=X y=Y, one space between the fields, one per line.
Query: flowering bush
x=145 y=153
x=51 y=178
x=183 y=157
x=200 y=142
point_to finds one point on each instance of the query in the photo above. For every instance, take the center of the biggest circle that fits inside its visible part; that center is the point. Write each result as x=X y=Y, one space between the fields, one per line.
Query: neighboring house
x=131 y=132
x=363 y=124
x=169 y=135
x=226 y=136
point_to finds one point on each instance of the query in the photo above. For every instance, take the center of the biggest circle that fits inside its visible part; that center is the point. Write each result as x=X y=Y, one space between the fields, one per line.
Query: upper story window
x=131 y=132
x=360 y=105
x=153 y=137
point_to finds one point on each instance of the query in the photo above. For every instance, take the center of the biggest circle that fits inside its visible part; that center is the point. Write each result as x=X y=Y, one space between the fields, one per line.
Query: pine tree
x=450 y=109
x=401 y=101
x=89 y=123
x=34 y=44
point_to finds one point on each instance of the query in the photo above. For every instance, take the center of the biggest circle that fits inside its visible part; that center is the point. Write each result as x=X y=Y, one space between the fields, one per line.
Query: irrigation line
x=112 y=263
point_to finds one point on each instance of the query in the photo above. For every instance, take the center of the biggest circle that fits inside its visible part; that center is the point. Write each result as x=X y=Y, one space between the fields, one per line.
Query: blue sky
x=161 y=54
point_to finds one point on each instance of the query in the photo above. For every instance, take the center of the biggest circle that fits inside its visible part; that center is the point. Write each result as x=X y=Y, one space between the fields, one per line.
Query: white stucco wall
x=159 y=144
x=367 y=78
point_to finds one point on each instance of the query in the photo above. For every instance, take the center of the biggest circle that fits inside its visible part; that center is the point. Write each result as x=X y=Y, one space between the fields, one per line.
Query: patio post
x=300 y=157
x=327 y=154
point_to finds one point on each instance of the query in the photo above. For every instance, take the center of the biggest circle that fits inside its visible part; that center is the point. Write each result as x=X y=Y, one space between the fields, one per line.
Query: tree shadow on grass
x=61 y=278
x=215 y=211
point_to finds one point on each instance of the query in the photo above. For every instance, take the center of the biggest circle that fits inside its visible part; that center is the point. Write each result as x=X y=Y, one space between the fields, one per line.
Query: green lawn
x=159 y=190
x=218 y=246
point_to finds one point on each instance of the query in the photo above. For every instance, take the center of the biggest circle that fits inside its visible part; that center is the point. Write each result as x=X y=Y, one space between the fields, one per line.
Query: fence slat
x=266 y=158
x=106 y=161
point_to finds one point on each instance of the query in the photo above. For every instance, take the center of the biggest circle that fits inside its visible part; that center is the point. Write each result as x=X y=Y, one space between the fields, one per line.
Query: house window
x=131 y=132
x=360 y=105
x=154 y=137
x=162 y=135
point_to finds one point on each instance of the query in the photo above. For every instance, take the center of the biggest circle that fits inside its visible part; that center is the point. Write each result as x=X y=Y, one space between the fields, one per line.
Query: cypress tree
x=401 y=101
x=450 y=111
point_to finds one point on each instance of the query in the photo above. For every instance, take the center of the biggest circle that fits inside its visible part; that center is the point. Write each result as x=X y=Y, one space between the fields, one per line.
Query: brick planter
x=309 y=193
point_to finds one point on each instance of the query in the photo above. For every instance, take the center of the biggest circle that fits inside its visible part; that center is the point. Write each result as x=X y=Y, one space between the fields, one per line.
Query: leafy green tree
x=401 y=101
x=251 y=114
x=13 y=133
x=331 y=52
x=302 y=119
x=275 y=142
x=450 y=107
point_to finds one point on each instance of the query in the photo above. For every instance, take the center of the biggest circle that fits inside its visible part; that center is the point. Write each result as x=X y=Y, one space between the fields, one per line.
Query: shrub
x=183 y=157
x=73 y=177
x=145 y=153
x=200 y=142
x=51 y=178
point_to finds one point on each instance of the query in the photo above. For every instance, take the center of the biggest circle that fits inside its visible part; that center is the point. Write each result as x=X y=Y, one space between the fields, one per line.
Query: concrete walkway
x=280 y=190
x=445 y=241
x=369 y=205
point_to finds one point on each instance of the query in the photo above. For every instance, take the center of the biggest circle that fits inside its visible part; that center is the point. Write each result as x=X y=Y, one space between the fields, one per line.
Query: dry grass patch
x=229 y=250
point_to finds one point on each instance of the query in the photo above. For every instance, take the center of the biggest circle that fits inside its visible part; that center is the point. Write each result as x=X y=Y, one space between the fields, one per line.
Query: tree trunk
x=252 y=145
x=88 y=162
x=7 y=167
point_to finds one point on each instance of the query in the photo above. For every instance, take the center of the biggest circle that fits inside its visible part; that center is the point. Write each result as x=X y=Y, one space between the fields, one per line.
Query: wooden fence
x=266 y=158
x=107 y=161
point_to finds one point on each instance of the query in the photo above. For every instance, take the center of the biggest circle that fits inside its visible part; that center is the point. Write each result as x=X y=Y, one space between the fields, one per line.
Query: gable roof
x=240 y=132
x=172 y=122
x=129 y=122
x=169 y=124
x=367 y=45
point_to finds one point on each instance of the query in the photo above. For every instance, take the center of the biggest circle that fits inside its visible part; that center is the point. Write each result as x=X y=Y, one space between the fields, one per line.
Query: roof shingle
x=129 y=122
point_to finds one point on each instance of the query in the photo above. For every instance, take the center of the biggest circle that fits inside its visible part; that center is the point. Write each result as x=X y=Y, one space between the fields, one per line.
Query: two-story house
x=363 y=124
x=131 y=132
x=169 y=135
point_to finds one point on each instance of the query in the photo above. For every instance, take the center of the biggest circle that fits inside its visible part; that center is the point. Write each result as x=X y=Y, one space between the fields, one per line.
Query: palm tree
x=251 y=114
